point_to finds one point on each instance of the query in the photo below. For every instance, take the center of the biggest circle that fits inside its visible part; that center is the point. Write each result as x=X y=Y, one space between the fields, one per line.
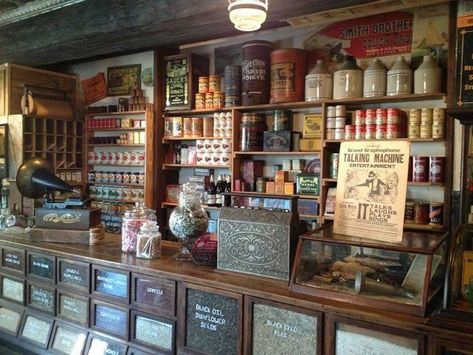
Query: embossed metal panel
x=255 y=242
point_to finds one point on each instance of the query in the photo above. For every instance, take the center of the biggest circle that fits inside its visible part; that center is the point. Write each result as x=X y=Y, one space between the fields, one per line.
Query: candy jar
x=149 y=241
x=131 y=224
x=188 y=220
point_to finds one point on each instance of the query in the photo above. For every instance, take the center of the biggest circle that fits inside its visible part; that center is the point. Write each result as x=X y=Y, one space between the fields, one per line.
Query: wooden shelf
x=115 y=201
x=386 y=140
x=174 y=204
x=118 y=165
x=329 y=180
x=122 y=113
x=115 y=145
x=425 y=227
x=196 y=112
x=166 y=139
x=251 y=193
x=177 y=166
x=115 y=184
x=277 y=153
x=387 y=99
x=309 y=216
x=116 y=129
x=411 y=183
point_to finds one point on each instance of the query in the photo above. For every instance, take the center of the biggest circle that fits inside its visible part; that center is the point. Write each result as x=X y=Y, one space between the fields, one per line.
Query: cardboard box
x=277 y=141
x=310 y=144
x=279 y=187
x=306 y=206
x=270 y=187
x=289 y=188
x=308 y=184
x=312 y=126
x=281 y=176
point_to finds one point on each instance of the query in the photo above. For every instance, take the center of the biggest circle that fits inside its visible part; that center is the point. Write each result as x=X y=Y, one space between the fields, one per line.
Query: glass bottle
x=399 y=80
x=348 y=80
x=149 y=241
x=319 y=83
x=219 y=190
x=211 y=192
x=427 y=77
x=131 y=224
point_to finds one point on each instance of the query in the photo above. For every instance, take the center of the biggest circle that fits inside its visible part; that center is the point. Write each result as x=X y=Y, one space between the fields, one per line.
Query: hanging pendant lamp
x=247 y=15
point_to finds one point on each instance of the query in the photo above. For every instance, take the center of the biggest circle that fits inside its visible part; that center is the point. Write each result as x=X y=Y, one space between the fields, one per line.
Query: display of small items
x=103 y=192
x=427 y=169
x=420 y=212
x=217 y=126
x=426 y=123
x=70 y=176
x=116 y=158
x=110 y=123
x=111 y=214
x=116 y=177
x=210 y=96
x=136 y=137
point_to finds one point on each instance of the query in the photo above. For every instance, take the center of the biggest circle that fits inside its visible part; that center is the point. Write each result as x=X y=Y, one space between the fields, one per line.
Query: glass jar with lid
x=149 y=241
x=131 y=223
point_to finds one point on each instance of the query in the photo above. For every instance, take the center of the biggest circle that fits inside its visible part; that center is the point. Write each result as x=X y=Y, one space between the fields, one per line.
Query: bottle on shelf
x=178 y=153
x=228 y=185
x=211 y=193
x=220 y=187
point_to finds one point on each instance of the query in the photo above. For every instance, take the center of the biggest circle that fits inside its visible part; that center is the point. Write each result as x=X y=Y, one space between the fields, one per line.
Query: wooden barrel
x=288 y=70
x=256 y=72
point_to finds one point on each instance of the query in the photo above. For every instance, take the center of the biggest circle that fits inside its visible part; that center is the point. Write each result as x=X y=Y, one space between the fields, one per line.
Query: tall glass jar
x=131 y=223
x=149 y=241
x=188 y=220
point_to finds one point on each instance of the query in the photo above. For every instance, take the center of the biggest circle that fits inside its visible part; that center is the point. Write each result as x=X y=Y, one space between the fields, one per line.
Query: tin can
x=209 y=101
x=360 y=132
x=413 y=131
x=199 y=101
x=331 y=122
x=176 y=127
x=331 y=111
x=208 y=126
x=340 y=110
x=218 y=100
x=409 y=211
x=288 y=70
x=260 y=184
x=197 y=130
x=381 y=116
x=334 y=163
x=415 y=116
x=232 y=85
x=330 y=133
x=340 y=122
x=436 y=214
x=136 y=137
x=437 y=170
x=421 y=213
x=426 y=116
x=370 y=116
x=281 y=119
x=214 y=83
x=359 y=117
x=256 y=59
x=438 y=130
x=370 y=131
x=380 y=131
x=438 y=115
x=203 y=85
x=339 y=133
x=392 y=130
x=349 y=131
x=420 y=169
x=251 y=132
x=426 y=130
x=187 y=126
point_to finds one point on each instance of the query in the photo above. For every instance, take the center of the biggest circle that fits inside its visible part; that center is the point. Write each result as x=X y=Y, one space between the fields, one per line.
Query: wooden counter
x=111 y=280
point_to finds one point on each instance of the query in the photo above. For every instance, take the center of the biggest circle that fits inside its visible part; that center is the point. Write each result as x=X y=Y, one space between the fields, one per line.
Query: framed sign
x=121 y=80
x=464 y=68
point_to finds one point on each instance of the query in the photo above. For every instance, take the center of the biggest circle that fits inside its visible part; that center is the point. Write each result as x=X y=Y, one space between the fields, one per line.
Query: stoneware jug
x=427 y=77
x=348 y=80
x=374 y=80
x=319 y=83
x=399 y=78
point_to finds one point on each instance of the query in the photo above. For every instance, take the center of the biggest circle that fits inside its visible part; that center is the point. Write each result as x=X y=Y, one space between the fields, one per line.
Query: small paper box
x=310 y=144
x=277 y=141
x=312 y=126
x=279 y=188
x=308 y=184
x=289 y=188
x=270 y=187
x=281 y=176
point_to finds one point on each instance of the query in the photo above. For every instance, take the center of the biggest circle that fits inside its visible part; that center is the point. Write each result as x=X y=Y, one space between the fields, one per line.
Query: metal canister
x=282 y=120
x=426 y=116
x=381 y=116
x=393 y=115
x=349 y=131
x=413 y=131
x=208 y=126
x=203 y=84
x=436 y=214
x=438 y=130
x=340 y=133
x=197 y=129
x=392 y=130
x=331 y=111
x=333 y=167
x=421 y=213
x=415 y=116
x=331 y=122
x=218 y=100
x=252 y=128
x=437 y=170
x=167 y=126
x=380 y=131
x=256 y=72
x=426 y=130
x=232 y=85
x=360 y=117
x=438 y=115
x=340 y=122
x=370 y=131
x=370 y=116
x=187 y=126
x=288 y=70
x=340 y=110
x=330 y=133
x=214 y=83
x=409 y=211
x=260 y=184
x=360 y=132
x=199 y=101
x=209 y=100
x=176 y=127
x=420 y=169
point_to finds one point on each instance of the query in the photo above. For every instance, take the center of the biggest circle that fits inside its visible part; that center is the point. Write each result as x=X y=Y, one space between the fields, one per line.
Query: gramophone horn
x=35 y=177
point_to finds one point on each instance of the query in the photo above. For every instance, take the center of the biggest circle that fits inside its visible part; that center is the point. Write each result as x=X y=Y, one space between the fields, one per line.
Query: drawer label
x=111 y=283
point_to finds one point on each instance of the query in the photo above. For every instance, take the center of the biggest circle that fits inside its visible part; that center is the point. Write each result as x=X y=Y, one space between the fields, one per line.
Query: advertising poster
x=371 y=189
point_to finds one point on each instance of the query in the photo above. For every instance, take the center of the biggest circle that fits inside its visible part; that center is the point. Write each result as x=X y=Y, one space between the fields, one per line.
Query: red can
x=380 y=131
x=349 y=131
x=381 y=116
x=437 y=170
x=436 y=214
x=392 y=130
x=421 y=213
x=420 y=169
x=370 y=116
x=370 y=131
x=288 y=70
x=360 y=131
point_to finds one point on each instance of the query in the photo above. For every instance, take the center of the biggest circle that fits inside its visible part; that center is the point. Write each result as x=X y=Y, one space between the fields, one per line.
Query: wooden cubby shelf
x=117 y=129
x=117 y=145
x=386 y=140
x=122 y=113
x=166 y=139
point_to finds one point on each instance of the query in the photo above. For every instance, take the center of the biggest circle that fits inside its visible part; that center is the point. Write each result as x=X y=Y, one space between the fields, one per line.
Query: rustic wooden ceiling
x=103 y=27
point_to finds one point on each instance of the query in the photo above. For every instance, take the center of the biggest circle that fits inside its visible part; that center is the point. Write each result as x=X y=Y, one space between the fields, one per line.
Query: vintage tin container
x=187 y=126
x=209 y=101
x=427 y=116
x=436 y=214
x=319 y=83
x=438 y=131
x=340 y=122
x=199 y=101
x=349 y=131
x=409 y=212
x=360 y=132
x=413 y=131
x=218 y=100
x=421 y=213
x=272 y=231
x=420 y=169
x=380 y=131
x=282 y=120
x=348 y=80
x=331 y=111
x=252 y=132
x=415 y=115
x=370 y=116
x=208 y=126
x=214 y=83
x=232 y=85
x=340 y=111
x=312 y=127
x=311 y=144
x=370 y=131
x=438 y=115
x=329 y=134
x=288 y=69
x=437 y=170
x=340 y=133
x=256 y=72
x=331 y=122
x=277 y=141
x=333 y=167
x=426 y=130
x=177 y=129
x=308 y=184
x=392 y=130
x=167 y=127
x=381 y=116
x=360 y=117
x=197 y=128
x=203 y=84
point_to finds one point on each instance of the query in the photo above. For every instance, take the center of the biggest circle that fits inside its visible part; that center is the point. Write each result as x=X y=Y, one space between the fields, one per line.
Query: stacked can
x=232 y=85
x=381 y=122
x=438 y=123
x=414 y=120
x=222 y=125
x=393 y=123
x=426 y=121
x=370 y=124
x=428 y=169
x=330 y=130
x=340 y=121
x=360 y=124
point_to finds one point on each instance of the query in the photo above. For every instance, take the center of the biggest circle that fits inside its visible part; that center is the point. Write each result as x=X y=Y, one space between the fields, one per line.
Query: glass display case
x=403 y=277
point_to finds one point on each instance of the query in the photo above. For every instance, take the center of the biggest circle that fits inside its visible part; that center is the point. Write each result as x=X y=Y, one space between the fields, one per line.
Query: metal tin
x=331 y=111
x=415 y=116
x=360 y=117
x=437 y=170
x=426 y=116
x=260 y=184
x=167 y=126
x=409 y=211
x=370 y=116
x=187 y=126
x=199 y=101
x=288 y=70
x=282 y=120
x=426 y=130
x=197 y=129
x=413 y=131
x=214 y=83
x=380 y=131
x=203 y=84
x=209 y=101
x=252 y=132
x=392 y=130
x=256 y=72
x=208 y=126
x=218 y=100
x=393 y=119
x=340 y=122
x=333 y=167
x=349 y=131
x=176 y=127
x=438 y=115
x=339 y=133
x=421 y=213
x=370 y=131
x=436 y=214
x=438 y=131
x=340 y=110
x=420 y=169
x=232 y=85
x=331 y=122
x=360 y=132
x=381 y=116
x=330 y=133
